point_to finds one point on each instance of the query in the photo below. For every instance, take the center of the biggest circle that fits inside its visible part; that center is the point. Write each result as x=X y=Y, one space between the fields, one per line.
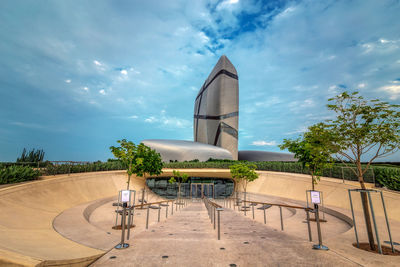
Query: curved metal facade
x=253 y=155
x=181 y=150
x=216 y=109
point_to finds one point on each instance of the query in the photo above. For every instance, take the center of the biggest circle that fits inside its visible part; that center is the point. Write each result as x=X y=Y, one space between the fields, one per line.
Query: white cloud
x=361 y=85
x=102 y=92
x=165 y=121
x=203 y=37
x=263 y=143
x=97 y=63
x=392 y=89
x=68 y=81
x=86 y=88
x=151 y=119
x=124 y=72
x=133 y=117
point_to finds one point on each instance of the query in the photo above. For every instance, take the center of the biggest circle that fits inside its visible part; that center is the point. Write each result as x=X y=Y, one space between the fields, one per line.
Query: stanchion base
x=320 y=247
x=122 y=246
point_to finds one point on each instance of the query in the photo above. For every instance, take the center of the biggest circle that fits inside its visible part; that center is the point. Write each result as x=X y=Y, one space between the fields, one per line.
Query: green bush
x=388 y=177
x=16 y=174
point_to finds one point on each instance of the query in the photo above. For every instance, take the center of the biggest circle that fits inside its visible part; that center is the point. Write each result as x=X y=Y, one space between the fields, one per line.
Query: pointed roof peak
x=225 y=63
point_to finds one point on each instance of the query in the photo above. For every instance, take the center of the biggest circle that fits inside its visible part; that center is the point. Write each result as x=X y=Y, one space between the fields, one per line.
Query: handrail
x=280 y=205
x=306 y=209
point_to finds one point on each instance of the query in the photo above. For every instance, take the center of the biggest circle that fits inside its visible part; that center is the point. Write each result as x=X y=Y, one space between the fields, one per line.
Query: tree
x=242 y=174
x=178 y=178
x=139 y=160
x=34 y=155
x=313 y=150
x=363 y=129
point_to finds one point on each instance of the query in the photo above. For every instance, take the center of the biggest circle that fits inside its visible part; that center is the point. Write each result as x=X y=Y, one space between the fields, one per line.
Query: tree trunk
x=312 y=181
x=367 y=217
x=129 y=179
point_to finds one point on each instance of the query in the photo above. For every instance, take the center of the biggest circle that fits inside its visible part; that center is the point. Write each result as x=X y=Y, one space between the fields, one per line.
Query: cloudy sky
x=75 y=76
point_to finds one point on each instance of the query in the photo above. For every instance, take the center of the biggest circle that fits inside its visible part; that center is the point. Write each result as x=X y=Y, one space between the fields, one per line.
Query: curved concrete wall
x=27 y=212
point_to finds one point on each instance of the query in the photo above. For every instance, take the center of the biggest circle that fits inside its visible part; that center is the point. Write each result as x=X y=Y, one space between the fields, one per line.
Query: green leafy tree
x=139 y=159
x=313 y=150
x=364 y=130
x=178 y=178
x=242 y=174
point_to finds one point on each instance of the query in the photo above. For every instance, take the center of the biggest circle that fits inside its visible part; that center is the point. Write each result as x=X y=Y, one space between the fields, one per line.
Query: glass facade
x=195 y=187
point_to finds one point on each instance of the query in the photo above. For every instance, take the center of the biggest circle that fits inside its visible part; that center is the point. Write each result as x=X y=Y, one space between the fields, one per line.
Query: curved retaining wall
x=27 y=211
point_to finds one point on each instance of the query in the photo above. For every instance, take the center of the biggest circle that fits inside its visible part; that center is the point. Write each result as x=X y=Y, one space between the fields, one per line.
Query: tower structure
x=216 y=109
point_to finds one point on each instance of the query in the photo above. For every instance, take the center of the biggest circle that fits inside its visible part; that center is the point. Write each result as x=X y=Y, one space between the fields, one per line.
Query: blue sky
x=75 y=76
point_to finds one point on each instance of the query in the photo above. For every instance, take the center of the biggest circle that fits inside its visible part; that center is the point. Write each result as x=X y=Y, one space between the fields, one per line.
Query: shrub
x=388 y=177
x=16 y=174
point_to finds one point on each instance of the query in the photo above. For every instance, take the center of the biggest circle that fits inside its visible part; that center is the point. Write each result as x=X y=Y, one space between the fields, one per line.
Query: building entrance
x=199 y=190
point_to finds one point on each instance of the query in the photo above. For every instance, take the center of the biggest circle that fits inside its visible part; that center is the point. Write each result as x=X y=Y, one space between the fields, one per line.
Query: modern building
x=215 y=125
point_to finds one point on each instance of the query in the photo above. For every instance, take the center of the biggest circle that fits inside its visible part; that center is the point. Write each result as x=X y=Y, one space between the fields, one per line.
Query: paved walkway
x=188 y=239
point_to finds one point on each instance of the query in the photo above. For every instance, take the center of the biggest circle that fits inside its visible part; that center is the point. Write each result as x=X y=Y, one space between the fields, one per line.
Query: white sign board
x=125 y=196
x=315 y=197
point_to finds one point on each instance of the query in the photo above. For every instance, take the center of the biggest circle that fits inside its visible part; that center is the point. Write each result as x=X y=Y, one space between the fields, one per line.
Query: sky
x=75 y=76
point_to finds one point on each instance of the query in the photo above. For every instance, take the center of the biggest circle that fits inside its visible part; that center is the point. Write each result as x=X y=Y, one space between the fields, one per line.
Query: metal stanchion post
x=309 y=226
x=147 y=217
x=123 y=244
x=280 y=211
x=252 y=208
x=159 y=211
x=166 y=211
x=265 y=217
x=214 y=216
x=172 y=208
x=219 y=223
x=320 y=246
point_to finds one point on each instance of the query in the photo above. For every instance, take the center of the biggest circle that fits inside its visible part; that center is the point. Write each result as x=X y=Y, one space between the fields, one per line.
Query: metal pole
x=159 y=211
x=172 y=208
x=319 y=246
x=129 y=223
x=123 y=224
x=147 y=217
x=387 y=222
x=354 y=219
x=166 y=211
x=252 y=208
x=280 y=211
x=265 y=217
x=214 y=217
x=376 y=228
x=308 y=226
x=116 y=218
x=219 y=227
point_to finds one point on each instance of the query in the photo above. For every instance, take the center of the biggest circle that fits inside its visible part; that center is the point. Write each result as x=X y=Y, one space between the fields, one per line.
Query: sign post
x=315 y=197
x=125 y=199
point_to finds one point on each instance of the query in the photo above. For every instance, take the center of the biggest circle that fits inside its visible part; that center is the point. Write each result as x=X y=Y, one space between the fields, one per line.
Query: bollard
x=252 y=208
x=166 y=211
x=280 y=210
x=172 y=208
